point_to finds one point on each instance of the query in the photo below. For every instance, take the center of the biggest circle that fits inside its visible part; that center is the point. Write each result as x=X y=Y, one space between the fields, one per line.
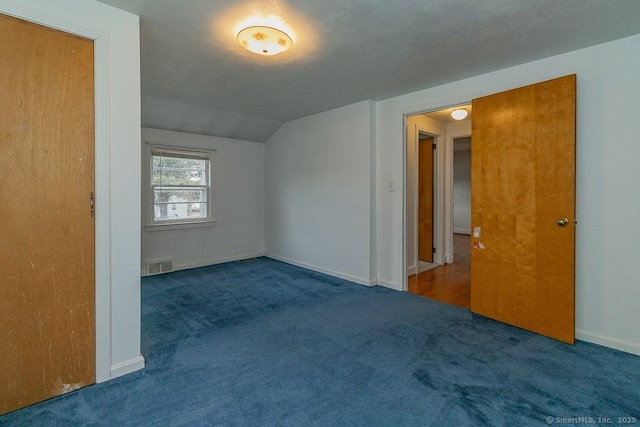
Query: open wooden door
x=425 y=199
x=523 y=207
x=47 y=302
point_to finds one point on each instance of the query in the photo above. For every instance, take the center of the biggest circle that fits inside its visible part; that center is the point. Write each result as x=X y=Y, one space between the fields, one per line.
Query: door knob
x=562 y=222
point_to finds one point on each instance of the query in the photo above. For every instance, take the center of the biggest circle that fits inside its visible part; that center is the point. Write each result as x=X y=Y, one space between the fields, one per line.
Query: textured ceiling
x=197 y=78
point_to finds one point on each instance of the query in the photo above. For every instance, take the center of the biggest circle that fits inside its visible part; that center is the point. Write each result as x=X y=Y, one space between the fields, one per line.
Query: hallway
x=450 y=283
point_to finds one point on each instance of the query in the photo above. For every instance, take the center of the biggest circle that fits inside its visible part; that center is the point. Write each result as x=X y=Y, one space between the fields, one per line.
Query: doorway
x=523 y=207
x=434 y=217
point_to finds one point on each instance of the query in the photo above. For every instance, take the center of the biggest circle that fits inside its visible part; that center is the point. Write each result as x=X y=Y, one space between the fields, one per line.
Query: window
x=180 y=190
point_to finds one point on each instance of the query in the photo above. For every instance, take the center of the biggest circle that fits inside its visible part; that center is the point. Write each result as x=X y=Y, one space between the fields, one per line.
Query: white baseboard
x=211 y=262
x=412 y=270
x=627 y=347
x=389 y=285
x=424 y=266
x=127 y=367
x=322 y=270
x=462 y=231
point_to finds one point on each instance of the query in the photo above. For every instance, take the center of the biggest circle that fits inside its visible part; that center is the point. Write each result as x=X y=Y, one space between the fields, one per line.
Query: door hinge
x=433 y=145
x=434 y=250
x=92 y=204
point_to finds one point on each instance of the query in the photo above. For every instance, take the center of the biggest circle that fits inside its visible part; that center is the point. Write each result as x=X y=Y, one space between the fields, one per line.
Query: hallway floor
x=450 y=283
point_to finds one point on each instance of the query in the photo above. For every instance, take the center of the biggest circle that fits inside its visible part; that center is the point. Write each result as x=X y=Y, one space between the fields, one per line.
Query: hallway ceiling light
x=266 y=41
x=459 y=114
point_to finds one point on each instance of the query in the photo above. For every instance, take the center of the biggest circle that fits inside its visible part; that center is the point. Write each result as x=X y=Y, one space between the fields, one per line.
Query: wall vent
x=159 y=266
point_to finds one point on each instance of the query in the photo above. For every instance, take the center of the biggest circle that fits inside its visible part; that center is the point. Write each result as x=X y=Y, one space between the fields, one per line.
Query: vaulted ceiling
x=197 y=78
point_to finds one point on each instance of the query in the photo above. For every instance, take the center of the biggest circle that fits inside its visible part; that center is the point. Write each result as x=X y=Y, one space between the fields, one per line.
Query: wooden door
x=47 y=326
x=523 y=183
x=425 y=199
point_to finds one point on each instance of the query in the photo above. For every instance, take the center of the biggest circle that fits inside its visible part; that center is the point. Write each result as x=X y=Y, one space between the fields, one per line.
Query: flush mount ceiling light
x=266 y=41
x=459 y=114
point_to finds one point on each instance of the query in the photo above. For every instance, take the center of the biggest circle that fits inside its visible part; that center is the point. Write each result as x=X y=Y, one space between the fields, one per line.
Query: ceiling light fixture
x=266 y=41
x=459 y=114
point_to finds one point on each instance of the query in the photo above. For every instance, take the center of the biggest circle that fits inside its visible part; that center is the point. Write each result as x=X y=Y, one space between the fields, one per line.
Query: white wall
x=116 y=35
x=237 y=179
x=318 y=192
x=607 y=271
x=461 y=187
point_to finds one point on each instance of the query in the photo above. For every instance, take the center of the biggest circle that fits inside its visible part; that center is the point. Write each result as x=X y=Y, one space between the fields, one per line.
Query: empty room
x=251 y=213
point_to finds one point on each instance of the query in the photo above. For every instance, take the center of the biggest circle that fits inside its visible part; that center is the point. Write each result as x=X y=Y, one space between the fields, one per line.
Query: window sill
x=179 y=226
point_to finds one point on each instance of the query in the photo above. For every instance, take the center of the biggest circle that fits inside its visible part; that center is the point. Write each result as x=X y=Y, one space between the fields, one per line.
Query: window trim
x=150 y=223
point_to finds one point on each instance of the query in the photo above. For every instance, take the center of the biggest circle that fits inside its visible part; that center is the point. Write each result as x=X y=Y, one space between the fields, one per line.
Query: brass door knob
x=562 y=222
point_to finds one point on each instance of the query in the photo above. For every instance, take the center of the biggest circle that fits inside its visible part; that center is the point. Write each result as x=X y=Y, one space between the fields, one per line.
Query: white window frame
x=151 y=224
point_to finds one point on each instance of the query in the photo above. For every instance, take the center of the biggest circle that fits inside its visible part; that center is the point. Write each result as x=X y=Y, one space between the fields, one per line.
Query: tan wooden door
x=47 y=326
x=523 y=203
x=425 y=199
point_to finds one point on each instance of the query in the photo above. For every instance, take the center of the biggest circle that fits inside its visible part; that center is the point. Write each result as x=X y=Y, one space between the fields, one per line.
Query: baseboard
x=462 y=231
x=389 y=285
x=627 y=347
x=211 y=262
x=127 y=367
x=322 y=270
x=412 y=270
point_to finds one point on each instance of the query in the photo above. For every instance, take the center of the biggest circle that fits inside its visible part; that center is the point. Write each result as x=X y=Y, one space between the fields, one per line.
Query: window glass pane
x=179 y=171
x=178 y=211
x=179 y=194
x=176 y=204
x=179 y=203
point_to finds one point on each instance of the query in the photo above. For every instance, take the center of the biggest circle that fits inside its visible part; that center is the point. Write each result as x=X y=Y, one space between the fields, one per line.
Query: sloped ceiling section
x=183 y=117
x=197 y=78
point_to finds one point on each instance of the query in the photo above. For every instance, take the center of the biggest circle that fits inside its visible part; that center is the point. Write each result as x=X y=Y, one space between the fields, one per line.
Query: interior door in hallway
x=425 y=199
x=47 y=303
x=523 y=207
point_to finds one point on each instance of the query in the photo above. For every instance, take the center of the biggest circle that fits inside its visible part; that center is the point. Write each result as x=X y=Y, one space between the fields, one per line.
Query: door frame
x=413 y=228
x=100 y=38
x=443 y=182
x=434 y=212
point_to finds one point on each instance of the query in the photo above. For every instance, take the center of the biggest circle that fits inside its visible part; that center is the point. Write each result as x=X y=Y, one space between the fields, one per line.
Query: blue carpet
x=263 y=343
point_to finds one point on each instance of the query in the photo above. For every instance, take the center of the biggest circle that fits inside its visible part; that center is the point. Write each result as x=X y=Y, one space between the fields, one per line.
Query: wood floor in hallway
x=450 y=283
